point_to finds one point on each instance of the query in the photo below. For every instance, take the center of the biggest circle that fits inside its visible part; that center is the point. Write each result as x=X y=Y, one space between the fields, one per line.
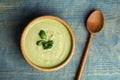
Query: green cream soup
x=54 y=56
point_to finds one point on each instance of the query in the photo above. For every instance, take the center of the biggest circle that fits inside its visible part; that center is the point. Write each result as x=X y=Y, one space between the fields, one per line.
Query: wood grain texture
x=103 y=62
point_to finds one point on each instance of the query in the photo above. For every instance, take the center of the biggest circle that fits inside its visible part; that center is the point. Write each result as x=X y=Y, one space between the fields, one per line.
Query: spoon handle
x=84 y=58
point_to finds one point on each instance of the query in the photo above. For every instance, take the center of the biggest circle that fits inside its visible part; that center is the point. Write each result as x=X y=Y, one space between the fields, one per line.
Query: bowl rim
x=34 y=21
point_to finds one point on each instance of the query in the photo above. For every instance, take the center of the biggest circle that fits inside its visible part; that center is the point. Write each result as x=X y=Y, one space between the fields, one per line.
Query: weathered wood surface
x=103 y=62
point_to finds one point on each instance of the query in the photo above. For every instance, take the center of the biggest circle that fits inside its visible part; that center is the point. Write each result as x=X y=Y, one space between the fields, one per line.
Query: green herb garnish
x=42 y=34
x=40 y=42
x=47 y=44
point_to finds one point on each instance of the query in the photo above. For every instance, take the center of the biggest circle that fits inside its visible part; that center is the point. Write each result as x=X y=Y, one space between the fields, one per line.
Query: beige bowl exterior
x=72 y=47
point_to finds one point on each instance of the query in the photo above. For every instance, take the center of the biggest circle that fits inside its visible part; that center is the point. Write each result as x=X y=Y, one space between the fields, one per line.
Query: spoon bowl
x=94 y=24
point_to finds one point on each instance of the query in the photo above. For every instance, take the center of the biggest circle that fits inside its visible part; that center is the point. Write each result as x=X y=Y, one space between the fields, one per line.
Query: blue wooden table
x=103 y=62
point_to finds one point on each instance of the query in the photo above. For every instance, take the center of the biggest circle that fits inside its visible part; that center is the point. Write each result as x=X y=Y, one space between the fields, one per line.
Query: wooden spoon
x=94 y=24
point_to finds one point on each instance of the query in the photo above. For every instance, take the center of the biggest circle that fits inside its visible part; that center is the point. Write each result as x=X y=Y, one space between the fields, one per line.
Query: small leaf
x=48 y=44
x=42 y=34
x=40 y=42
